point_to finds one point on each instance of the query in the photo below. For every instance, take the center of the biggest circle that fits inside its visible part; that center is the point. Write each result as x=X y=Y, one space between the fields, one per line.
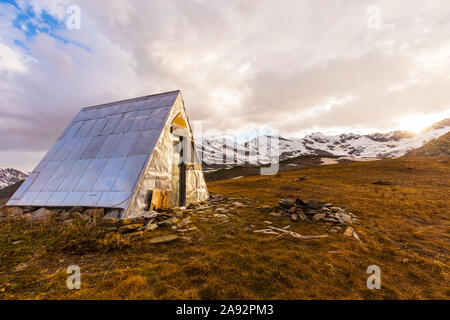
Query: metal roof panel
x=100 y=156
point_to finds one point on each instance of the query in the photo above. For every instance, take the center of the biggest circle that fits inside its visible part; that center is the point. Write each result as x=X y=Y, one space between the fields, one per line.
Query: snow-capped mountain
x=378 y=145
x=9 y=176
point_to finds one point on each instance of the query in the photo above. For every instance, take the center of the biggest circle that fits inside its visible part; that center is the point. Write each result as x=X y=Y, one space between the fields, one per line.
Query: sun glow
x=419 y=122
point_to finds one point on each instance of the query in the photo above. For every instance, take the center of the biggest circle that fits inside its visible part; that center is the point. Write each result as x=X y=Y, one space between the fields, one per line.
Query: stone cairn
x=315 y=211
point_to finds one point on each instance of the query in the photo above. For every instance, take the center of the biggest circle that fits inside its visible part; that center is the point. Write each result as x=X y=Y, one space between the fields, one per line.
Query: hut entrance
x=180 y=138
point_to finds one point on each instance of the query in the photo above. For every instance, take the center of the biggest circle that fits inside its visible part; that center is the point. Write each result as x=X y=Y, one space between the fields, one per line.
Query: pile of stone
x=148 y=221
x=108 y=219
x=315 y=211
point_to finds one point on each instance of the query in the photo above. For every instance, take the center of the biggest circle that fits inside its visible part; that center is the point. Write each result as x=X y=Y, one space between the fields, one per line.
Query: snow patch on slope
x=9 y=176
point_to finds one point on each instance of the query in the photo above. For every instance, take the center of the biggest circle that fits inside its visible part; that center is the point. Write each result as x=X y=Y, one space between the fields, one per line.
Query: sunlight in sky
x=419 y=122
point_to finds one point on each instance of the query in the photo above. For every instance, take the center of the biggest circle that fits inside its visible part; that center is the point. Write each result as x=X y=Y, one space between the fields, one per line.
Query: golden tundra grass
x=404 y=229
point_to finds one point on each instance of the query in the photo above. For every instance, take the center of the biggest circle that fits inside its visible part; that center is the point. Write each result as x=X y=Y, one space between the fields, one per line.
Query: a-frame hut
x=134 y=155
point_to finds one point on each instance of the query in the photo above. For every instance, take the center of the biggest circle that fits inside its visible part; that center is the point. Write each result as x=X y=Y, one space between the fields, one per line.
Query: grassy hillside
x=404 y=229
x=435 y=148
x=300 y=162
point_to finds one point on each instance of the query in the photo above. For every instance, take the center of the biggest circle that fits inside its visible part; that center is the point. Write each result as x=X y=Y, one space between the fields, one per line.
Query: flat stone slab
x=163 y=239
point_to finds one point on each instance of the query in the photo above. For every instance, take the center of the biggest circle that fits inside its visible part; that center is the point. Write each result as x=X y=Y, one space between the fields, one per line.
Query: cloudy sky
x=296 y=66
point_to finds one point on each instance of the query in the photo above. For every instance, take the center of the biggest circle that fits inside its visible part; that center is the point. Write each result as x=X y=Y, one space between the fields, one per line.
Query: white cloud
x=11 y=60
x=290 y=66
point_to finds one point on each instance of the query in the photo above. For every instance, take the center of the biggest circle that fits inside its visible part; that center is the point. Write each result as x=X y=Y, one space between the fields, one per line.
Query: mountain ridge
x=392 y=144
x=439 y=147
x=10 y=176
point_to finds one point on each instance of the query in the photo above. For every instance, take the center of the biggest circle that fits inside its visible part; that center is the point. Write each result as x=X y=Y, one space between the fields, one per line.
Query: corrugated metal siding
x=99 y=157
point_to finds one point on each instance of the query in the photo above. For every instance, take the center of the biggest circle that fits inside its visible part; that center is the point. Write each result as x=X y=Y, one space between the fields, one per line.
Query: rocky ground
x=181 y=221
x=304 y=234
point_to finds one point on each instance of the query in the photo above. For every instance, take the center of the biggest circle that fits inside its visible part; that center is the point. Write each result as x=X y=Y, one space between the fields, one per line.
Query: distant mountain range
x=377 y=145
x=9 y=176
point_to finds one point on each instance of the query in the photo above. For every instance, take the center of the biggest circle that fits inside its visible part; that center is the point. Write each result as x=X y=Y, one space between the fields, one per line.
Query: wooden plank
x=160 y=199
x=296 y=235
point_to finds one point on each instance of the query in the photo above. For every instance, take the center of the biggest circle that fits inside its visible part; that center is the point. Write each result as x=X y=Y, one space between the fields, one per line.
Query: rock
x=188 y=229
x=168 y=222
x=178 y=214
x=355 y=235
x=28 y=209
x=218 y=215
x=108 y=222
x=343 y=217
x=222 y=210
x=348 y=232
x=139 y=221
x=319 y=217
x=334 y=209
x=17 y=242
x=110 y=228
x=292 y=210
x=95 y=212
x=186 y=238
x=41 y=215
x=78 y=215
x=64 y=215
x=294 y=217
x=163 y=239
x=286 y=203
x=114 y=213
x=14 y=212
x=302 y=178
x=314 y=204
x=143 y=215
x=129 y=228
x=301 y=216
x=382 y=183
x=125 y=222
x=184 y=223
x=216 y=197
x=136 y=235
x=239 y=204
x=191 y=206
x=275 y=214
x=309 y=212
x=151 y=226
x=300 y=203
x=330 y=219
x=76 y=209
